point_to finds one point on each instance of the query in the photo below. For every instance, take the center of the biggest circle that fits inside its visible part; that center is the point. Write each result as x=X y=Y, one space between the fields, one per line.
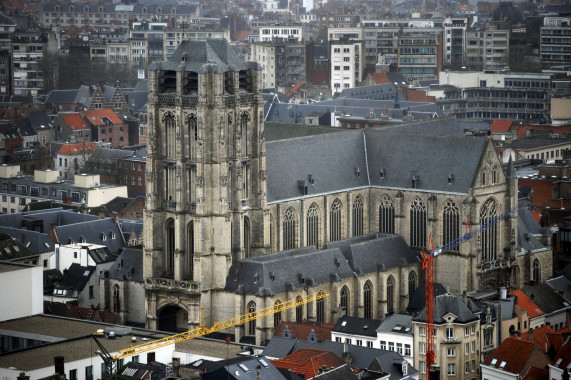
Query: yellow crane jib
x=219 y=326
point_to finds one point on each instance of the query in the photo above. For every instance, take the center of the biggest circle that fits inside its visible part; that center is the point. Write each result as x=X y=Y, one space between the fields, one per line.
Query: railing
x=245 y=203
x=169 y=283
x=171 y=205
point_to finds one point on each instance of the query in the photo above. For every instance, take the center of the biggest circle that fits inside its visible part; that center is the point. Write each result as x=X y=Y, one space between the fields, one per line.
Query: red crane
x=428 y=267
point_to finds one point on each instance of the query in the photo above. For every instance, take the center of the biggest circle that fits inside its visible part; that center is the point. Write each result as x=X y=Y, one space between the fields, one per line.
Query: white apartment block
x=268 y=33
x=336 y=34
x=265 y=55
x=345 y=63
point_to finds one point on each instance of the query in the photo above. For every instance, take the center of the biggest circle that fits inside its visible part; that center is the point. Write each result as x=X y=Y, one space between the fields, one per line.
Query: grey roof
x=345 y=372
x=130 y=226
x=397 y=323
x=61 y=97
x=128 y=266
x=417 y=301
x=357 y=326
x=445 y=304
x=93 y=232
x=76 y=277
x=210 y=56
x=528 y=228
x=398 y=155
x=246 y=369
x=561 y=284
x=34 y=240
x=361 y=357
x=13 y=249
x=289 y=270
x=137 y=100
x=546 y=298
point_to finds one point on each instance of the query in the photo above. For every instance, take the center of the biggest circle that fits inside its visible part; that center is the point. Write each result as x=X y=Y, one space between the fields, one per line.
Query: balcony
x=245 y=203
x=170 y=205
x=170 y=284
x=451 y=340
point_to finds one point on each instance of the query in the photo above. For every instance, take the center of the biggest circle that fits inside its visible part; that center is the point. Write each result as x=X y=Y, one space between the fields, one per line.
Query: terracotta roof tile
x=511 y=355
x=380 y=78
x=307 y=361
x=539 y=337
x=501 y=125
x=302 y=330
x=96 y=116
x=563 y=357
x=527 y=304
x=535 y=373
x=76 y=148
x=74 y=121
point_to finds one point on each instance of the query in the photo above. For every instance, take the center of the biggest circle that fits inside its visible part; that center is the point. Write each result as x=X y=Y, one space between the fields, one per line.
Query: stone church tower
x=206 y=201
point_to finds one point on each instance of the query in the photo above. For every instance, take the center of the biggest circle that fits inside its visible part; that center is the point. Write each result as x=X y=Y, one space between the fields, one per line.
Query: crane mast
x=428 y=267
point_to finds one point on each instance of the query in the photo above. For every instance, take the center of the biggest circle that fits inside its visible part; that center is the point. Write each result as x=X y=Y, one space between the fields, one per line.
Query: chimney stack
x=59 y=367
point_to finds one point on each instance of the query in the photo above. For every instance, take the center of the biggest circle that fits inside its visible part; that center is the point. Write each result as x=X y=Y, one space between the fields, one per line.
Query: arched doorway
x=172 y=318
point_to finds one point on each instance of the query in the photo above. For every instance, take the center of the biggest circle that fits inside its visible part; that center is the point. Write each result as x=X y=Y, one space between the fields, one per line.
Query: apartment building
x=455 y=41
x=7 y=27
x=419 y=56
x=555 y=42
x=488 y=47
x=346 y=70
x=285 y=31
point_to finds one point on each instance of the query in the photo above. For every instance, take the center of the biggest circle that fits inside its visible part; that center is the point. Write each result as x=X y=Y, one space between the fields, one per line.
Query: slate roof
x=246 y=369
x=357 y=326
x=528 y=228
x=547 y=299
x=361 y=357
x=417 y=301
x=100 y=231
x=399 y=156
x=128 y=266
x=307 y=361
x=289 y=270
x=345 y=372
x=397 y=323
x=12 y=249
x=76 y=277
x=210 y=56
x=561 y=284
x=445 y=304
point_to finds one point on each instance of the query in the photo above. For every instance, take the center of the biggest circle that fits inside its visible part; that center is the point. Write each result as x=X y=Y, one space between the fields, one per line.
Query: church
x=234 y=224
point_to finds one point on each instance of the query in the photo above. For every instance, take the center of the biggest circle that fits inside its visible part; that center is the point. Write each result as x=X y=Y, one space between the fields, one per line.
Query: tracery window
x=278 y=315
x=488 y=237
x=320 y=308
x=387 y=215
x=312 y=223
x=289 y=230
x=536 y=271
x=358 y=216
x=170 y=243
x=417 y=223
x=368 y=300
x=299 y=310
x=252 y=323
x=450 y=222
x=169 y=123
x=411 y=283
x=390 y=294
x=335 y=221
x=344 y=300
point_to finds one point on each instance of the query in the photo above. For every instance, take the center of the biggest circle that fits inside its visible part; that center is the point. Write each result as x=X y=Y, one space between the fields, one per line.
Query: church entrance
x=172 y=318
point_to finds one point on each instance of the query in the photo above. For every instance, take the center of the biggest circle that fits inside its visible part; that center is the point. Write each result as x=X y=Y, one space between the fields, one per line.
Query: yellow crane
x=218 y=326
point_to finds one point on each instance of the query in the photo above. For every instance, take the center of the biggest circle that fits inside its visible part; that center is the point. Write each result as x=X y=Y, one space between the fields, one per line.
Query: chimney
x=23 y=376
x=176 y=366
x=52 y=234
x=59 y=367
x=101 y=213
x=115 y=216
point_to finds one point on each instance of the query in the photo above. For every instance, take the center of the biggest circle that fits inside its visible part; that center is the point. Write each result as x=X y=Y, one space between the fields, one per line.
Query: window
x=89 y=372
x=473 y=365
x=91 y=294
x=417 y=223
x=390 y=294
x=422 y=331
x=488 y=338
x=449 y=332
x=348 y=340
x=370 y=344
x=489 y=237
x=313 y=226
x=299 y=310
x=359 y=342
x=466 y=367
x=466 y=348
x=383 y=344
x=399 y=348
x=252 y=323
x=411 y=283
x=451 y=223
x=387 y=215
x=422 y=347
x=473 y=346
x=391 y=346
x=73 y=374
x=451 y=369
x=335 y=221
x=451 y=351
x=536 y=271
x=368 y=300
x=344 y=298
x=358 y=216
x=407 y=350
x=320 y=308
x=422 y=366
x=289 y=230
x=466 y=331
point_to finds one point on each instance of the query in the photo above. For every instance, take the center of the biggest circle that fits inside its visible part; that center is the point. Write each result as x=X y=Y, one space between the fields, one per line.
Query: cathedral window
x=298 y=310
x=450 y=222
x=335 y=221
x=246 y=237
x=411 y=283
x=488 y=237
x=368 y=300
x=390 y=294
x=289 y=230
x=358 y=216
x=320 y=308
x=170 y=237
x=387 y=215
x=344 y=300
x=190 y=250
x=252 y=323
x=313 y=226
x=116 y=303
x=192 y=125
x=170 y=129
x=278 y=315
x=536 y=271
x=417 y=223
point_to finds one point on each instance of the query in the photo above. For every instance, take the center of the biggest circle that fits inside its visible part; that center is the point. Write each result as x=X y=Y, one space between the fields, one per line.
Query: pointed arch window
x=488 y=237
x=170 y=244
x=190 y=250
x=278 y=315
x=450 y=223
x=417 y=223
x=192 y=125
x=169 y=123
x=252 y=323
x=320 y=303
x=536 y=271
x=116 y=300
x=390 y=294
x=289 y=230
x=411 y=283
x=344 y=300
x=335 y=221
x=312 y=226
x=358 y=216
x=246 y=237
x=387 y=215
x=368 y=300
x=299 y=309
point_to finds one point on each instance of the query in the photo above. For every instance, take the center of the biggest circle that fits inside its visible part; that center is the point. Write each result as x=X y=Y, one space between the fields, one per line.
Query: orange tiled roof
x=74 y=121
x=380 y=78
x=513 y=353
x=563 y=357
x=527 y=304
x=307 y=361
x=535 y=373
x=292 y=90
x=76 y=148
x=95 y=116
x=501 y=125
x=302 y=330
x=241 y=35
x=539 y=336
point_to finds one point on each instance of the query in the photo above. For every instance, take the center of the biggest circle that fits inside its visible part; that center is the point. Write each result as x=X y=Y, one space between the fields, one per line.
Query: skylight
x=46 y=244
x=494 y=361
x=16 y=248
x=244 y=368
x=263 y=362
x=503 y=364
x=558 y=361
x=343 y=323
x=86 y=273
